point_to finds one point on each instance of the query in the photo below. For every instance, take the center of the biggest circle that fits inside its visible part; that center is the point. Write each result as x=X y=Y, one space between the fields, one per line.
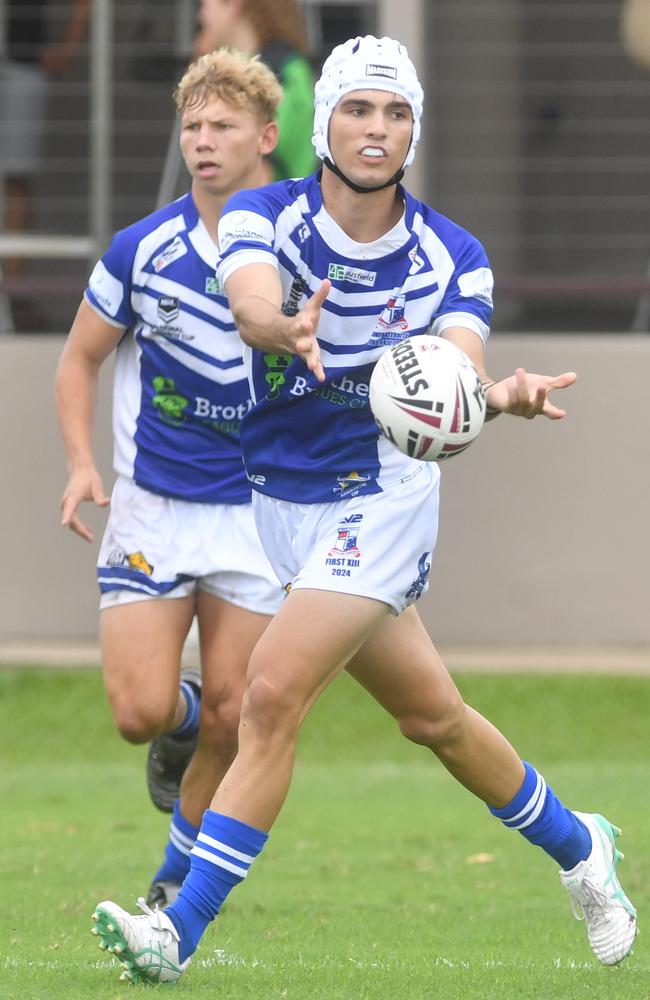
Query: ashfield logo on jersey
x=213 y=286
x=168 y=308
x=375 y=69
x=171 y=252
x=339 y=272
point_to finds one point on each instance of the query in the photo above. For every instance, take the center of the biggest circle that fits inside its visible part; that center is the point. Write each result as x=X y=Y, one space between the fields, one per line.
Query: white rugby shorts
x=158 y=547
x=378 y=545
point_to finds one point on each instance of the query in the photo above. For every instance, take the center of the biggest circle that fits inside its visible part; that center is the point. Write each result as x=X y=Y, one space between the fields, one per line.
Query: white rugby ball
x=427 y=398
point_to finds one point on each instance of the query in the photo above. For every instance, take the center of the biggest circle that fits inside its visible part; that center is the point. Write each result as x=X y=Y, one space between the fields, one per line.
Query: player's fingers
x=315 y=365
x=553 y=412
x=69 y=505
x=305 y=343
x=77 y=525
x=562 y=381
x=98 y=494
x=320 y=294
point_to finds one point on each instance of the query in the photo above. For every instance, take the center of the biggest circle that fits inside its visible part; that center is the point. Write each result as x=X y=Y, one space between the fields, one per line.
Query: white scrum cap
x=365 y=63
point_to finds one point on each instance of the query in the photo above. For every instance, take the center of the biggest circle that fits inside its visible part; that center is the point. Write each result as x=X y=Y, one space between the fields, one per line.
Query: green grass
x=383 y=879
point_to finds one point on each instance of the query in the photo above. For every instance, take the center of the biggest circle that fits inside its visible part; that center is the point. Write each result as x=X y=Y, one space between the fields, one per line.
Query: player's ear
x=268 y=138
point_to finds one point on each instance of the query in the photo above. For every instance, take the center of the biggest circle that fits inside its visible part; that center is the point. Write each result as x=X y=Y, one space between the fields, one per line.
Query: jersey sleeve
x=246 y=234
x=467 y=300
x=110 y=284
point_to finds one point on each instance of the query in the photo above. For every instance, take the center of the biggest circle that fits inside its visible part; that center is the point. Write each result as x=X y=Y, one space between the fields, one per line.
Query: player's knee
x=436 y=728
x=271 y=710
x=220 y=714
x=139 y=723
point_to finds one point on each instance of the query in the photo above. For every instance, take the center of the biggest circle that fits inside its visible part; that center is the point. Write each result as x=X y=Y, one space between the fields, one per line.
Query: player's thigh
x=308 y=642
x=400 y=666
x=227 y=635
x=141 y=645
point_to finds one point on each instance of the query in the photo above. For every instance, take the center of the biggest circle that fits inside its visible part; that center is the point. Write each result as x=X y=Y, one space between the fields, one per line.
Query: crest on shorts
x=137 y=560
x=347 y=535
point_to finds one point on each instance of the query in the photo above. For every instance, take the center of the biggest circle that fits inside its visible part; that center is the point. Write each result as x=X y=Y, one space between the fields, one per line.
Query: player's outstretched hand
x=305 y=327
x=527 y=395
x=86 y=485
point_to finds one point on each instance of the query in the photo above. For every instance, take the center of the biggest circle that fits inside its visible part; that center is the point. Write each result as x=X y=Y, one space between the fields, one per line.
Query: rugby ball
x=427 y=398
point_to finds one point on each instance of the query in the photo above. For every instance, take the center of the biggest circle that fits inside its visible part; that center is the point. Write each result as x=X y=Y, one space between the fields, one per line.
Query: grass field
x=383 y=879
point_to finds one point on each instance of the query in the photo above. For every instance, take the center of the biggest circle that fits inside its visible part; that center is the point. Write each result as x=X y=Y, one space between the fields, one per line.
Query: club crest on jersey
x=347 y=535
x=393 y=313
x=172 y=252
x=168 y=308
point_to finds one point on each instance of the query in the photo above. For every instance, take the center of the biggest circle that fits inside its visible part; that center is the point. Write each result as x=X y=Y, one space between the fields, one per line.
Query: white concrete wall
x=545 y=534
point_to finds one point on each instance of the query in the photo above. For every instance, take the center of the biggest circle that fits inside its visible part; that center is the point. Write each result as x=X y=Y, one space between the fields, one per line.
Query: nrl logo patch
x=167 y=308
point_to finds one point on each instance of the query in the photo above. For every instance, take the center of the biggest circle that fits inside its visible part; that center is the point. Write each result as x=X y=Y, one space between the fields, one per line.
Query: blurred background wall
x=536 y=138
x=544 y=529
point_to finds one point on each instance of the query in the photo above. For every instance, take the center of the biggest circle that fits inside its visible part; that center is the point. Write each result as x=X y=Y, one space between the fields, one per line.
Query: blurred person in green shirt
x=275 y=30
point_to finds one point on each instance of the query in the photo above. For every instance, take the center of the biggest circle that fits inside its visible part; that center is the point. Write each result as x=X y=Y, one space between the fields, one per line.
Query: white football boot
x=597 y=896
x=146 y=946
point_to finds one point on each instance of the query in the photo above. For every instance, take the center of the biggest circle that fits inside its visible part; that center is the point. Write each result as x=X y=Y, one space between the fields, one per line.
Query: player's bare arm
x=90 y=341
x=261 y=322
x=522 y=394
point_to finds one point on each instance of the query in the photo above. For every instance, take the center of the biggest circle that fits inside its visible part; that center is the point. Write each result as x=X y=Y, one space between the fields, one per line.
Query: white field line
x=222 y=958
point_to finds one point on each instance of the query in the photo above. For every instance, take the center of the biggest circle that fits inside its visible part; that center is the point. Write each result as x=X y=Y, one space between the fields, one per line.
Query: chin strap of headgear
x=395 y=179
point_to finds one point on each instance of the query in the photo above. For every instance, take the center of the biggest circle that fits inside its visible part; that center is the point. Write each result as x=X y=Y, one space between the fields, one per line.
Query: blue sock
x=542 y=819
x=177 y=853
x=190 y=725
x=225 y=849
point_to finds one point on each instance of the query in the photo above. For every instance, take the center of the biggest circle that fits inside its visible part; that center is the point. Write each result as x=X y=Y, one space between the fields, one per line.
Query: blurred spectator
x=275 y=30
x=635 y=30
x=29 y=61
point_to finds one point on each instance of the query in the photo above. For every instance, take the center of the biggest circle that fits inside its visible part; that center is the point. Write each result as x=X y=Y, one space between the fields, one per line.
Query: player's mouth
x=207 y=168
x=373 y=153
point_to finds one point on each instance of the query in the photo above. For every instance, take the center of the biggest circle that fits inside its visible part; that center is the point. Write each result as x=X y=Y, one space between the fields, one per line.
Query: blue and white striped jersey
x=310 y=442
x=180 y=387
